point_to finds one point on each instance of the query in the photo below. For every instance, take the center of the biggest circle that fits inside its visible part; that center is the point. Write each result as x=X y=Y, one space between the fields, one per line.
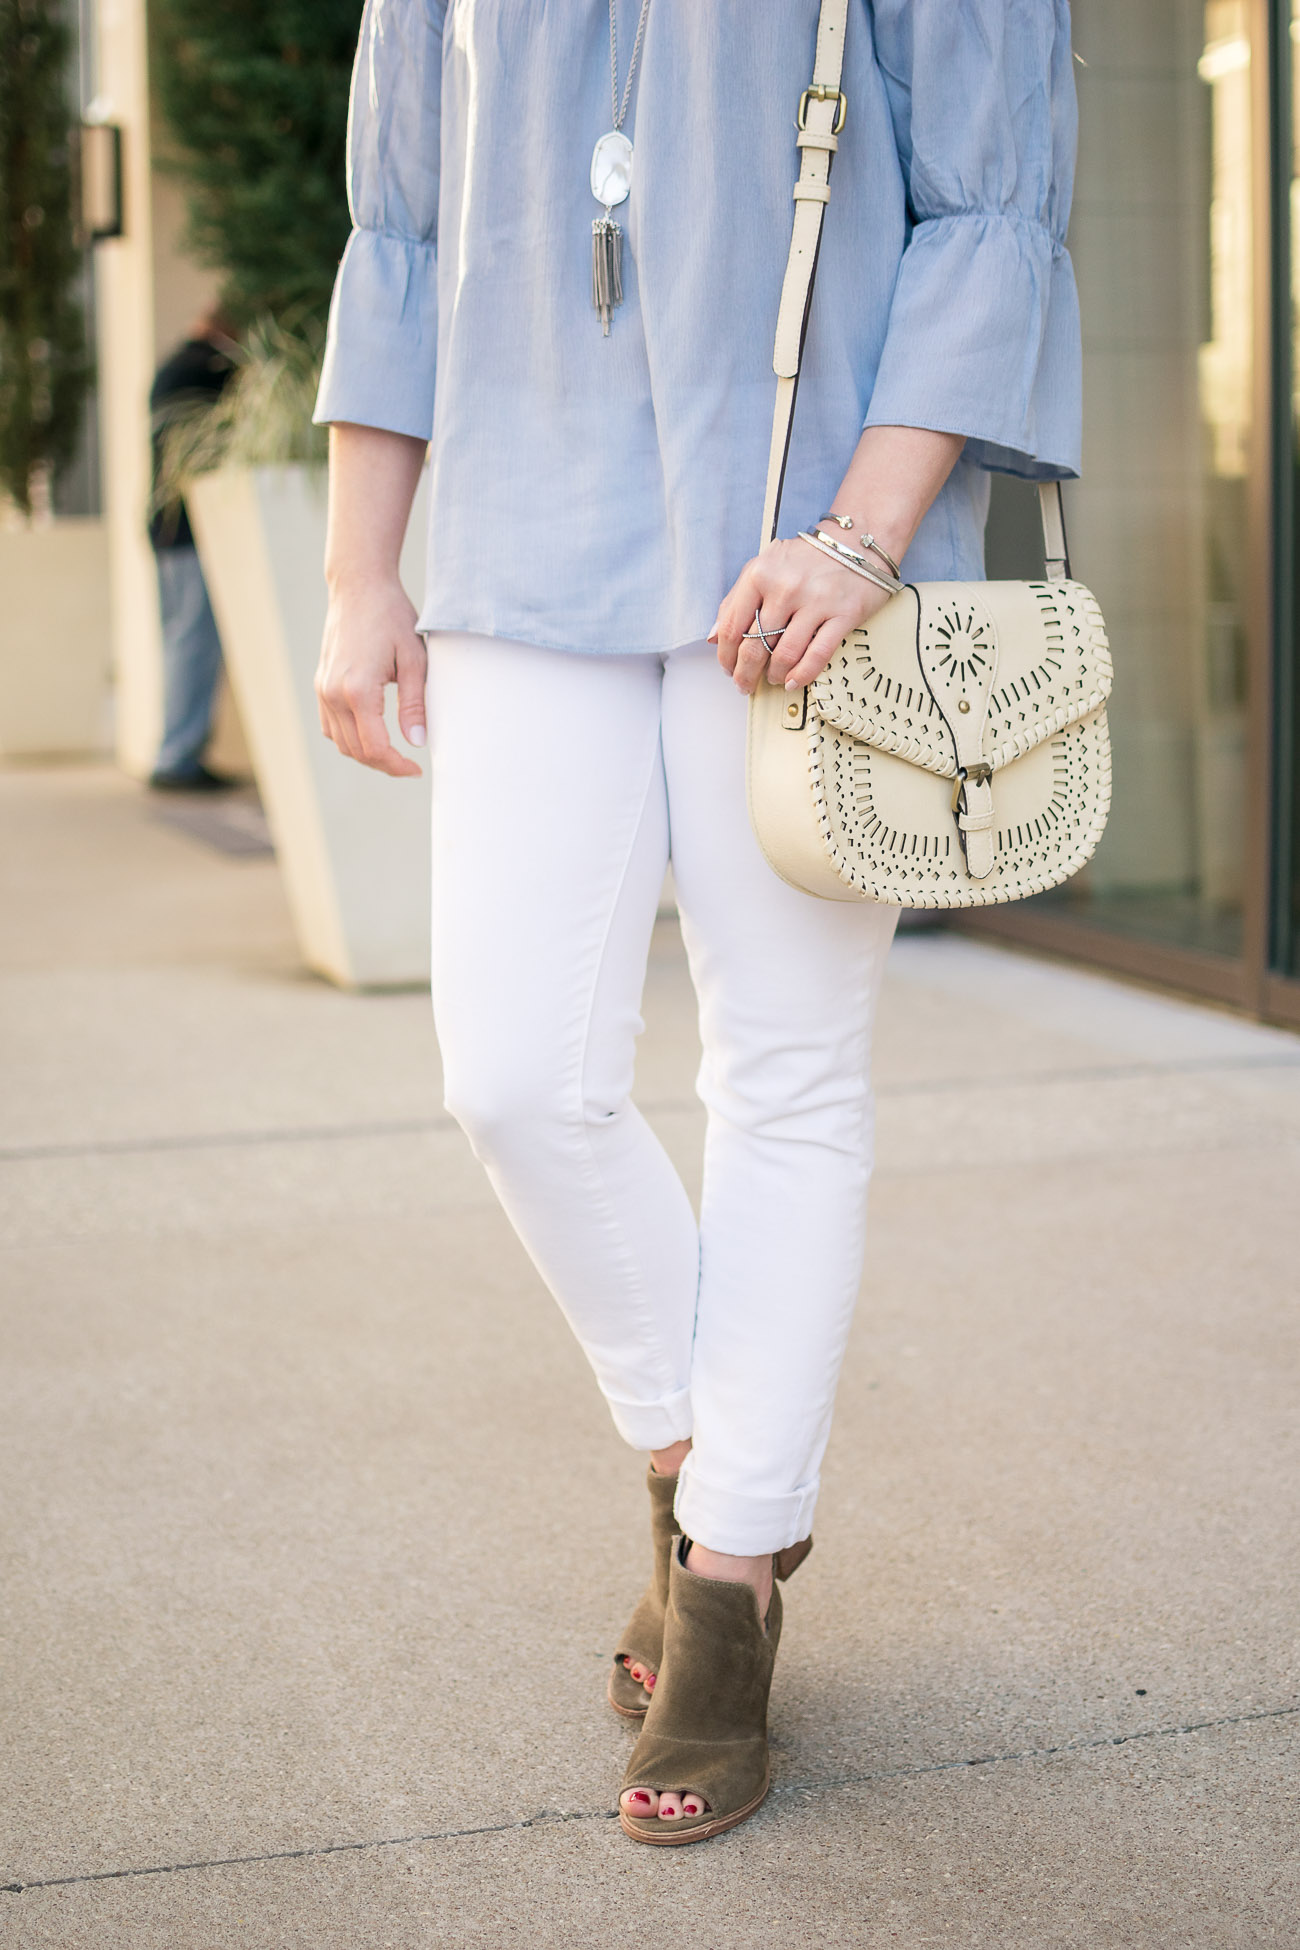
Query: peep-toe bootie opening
x=643 y=1639
x=705 y=1735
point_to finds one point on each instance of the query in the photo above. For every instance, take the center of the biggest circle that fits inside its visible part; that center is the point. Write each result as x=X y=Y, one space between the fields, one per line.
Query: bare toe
x=670 y=1807
x=640 y=1803
x=692 y=1805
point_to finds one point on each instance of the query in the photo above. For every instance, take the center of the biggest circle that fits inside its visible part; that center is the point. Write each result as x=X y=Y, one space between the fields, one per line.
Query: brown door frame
x=1246 y=983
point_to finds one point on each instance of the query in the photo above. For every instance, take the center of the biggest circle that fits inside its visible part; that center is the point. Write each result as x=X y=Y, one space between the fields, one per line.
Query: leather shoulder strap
x=822 y=114
x=822 y=110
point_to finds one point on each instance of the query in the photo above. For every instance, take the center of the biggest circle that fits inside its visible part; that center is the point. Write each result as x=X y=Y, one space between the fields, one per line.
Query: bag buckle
x=819 y=92
x=978 y=774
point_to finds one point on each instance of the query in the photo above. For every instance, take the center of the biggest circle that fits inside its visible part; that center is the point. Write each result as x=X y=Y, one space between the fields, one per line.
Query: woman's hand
x=371 y=642
x=816 y=600
x=370 y=636
x=892 y=479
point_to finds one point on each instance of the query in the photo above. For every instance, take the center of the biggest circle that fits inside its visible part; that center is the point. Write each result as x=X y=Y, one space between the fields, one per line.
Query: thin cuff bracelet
x=851 y=556
x=868 y=541
x=848 y=560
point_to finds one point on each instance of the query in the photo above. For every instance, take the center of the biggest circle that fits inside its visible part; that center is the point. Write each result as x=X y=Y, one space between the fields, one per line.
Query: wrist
x=344 y=580
x=887 y=528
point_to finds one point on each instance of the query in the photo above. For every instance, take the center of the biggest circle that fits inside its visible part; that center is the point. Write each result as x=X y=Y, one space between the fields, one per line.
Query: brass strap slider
x=979 y=774
x=819 y=92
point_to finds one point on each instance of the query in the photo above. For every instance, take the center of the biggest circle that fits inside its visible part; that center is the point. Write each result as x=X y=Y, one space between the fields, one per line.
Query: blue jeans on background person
x=191 y=662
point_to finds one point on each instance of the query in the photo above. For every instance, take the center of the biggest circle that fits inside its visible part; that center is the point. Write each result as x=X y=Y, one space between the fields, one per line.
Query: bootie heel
x=706 y=1730
x=643 y=1640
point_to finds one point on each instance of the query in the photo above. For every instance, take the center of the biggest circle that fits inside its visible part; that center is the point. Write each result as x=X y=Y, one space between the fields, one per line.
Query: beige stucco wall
x=124 y=305
x=54 y=643
x=147 y=292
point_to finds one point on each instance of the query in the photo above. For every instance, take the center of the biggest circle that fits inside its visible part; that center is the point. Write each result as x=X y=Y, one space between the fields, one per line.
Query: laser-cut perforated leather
x=998 y=687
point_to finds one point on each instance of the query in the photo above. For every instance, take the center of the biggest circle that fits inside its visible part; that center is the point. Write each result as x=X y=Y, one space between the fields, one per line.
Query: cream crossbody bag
x=954 y=753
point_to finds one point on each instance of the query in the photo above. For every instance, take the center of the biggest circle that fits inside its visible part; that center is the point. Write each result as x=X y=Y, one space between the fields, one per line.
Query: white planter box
x=353 y=844
x=54 y=639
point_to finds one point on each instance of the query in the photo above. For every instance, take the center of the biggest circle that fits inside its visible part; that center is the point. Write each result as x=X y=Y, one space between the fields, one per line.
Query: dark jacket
x=195 y=372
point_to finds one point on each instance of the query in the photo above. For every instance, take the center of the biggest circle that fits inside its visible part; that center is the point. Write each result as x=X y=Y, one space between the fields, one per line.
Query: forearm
x=893 y=478
x=372 y=482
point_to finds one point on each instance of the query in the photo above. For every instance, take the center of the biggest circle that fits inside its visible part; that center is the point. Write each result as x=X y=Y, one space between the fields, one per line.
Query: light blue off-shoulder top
x=601 y=494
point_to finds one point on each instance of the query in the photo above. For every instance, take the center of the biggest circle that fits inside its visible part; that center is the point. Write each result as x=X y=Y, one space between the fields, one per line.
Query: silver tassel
x=606 y=267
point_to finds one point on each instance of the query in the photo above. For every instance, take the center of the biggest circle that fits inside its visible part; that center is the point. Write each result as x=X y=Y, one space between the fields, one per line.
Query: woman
x=596 y=486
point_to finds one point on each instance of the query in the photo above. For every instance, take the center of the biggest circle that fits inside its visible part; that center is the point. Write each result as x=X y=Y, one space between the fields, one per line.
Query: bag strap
x=821 y=117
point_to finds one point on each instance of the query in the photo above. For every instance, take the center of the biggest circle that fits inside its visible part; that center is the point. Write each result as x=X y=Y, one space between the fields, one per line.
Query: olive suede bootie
x=642 y=1643
x=705 y=1735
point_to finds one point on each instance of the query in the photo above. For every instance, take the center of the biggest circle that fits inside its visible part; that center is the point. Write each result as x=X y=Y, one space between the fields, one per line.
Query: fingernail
x=712 y=637
x=416 y=735
x=790 y=684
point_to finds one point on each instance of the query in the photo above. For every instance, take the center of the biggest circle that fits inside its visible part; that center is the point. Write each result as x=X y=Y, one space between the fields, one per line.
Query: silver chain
x=620 y=114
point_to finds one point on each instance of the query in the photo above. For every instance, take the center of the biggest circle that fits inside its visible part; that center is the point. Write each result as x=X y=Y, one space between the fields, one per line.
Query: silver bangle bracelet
x=848 y=560
x=868 y=541
x=851 y=556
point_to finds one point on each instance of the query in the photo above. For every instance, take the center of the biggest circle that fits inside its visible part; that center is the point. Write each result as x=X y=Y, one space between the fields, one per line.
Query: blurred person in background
x=194 y=375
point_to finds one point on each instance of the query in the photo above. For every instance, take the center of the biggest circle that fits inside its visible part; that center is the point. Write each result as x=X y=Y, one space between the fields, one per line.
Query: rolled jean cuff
x=743 y=1526
x=653 y=1425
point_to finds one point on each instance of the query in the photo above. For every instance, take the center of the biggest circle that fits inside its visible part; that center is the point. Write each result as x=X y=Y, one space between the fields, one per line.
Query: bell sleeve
x=983 y=333
x=382 y=339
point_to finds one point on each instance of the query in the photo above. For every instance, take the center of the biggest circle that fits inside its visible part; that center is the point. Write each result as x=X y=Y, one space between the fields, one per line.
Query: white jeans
x=559 y=783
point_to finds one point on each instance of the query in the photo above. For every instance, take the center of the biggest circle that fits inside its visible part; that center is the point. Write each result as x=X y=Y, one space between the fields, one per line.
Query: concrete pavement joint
x=424 y=1126
x=1040 y=1753
x=225 y=1140
x=550 y=1817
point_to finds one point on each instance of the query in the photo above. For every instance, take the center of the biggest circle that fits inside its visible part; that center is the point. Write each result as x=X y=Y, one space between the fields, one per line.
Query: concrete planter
x=54 y=639
x=353 y=844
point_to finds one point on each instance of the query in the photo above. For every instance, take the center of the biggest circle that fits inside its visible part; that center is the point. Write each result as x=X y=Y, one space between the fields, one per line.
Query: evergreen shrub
x=44 y=366
x=255 y=93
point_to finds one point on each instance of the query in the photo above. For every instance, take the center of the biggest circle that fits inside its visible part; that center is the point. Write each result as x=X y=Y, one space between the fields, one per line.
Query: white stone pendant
x=611 y=169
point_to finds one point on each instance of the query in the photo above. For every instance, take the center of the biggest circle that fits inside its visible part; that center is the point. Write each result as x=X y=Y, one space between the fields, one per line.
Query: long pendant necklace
x=611 y=180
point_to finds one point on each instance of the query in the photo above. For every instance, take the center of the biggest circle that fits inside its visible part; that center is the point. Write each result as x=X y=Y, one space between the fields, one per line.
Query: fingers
x=815 y=654
x=737 y=612
x=758 y=591
x=412 y=667
x=789 y=649
x=752 y=662
x=371 y=642
x=352 y=713
x=371 y=732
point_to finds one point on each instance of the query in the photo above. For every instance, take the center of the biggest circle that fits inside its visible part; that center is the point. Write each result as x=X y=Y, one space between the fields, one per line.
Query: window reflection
x=1162 y=245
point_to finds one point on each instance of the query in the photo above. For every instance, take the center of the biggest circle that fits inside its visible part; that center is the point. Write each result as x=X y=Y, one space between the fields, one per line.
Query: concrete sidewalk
x=318 y=1535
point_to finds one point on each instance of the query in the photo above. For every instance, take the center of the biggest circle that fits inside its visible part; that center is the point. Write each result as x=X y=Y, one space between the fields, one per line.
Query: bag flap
x=1036 y=651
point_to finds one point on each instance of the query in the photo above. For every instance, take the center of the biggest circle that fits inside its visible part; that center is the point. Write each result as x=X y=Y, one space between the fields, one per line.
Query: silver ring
x=759 y=631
